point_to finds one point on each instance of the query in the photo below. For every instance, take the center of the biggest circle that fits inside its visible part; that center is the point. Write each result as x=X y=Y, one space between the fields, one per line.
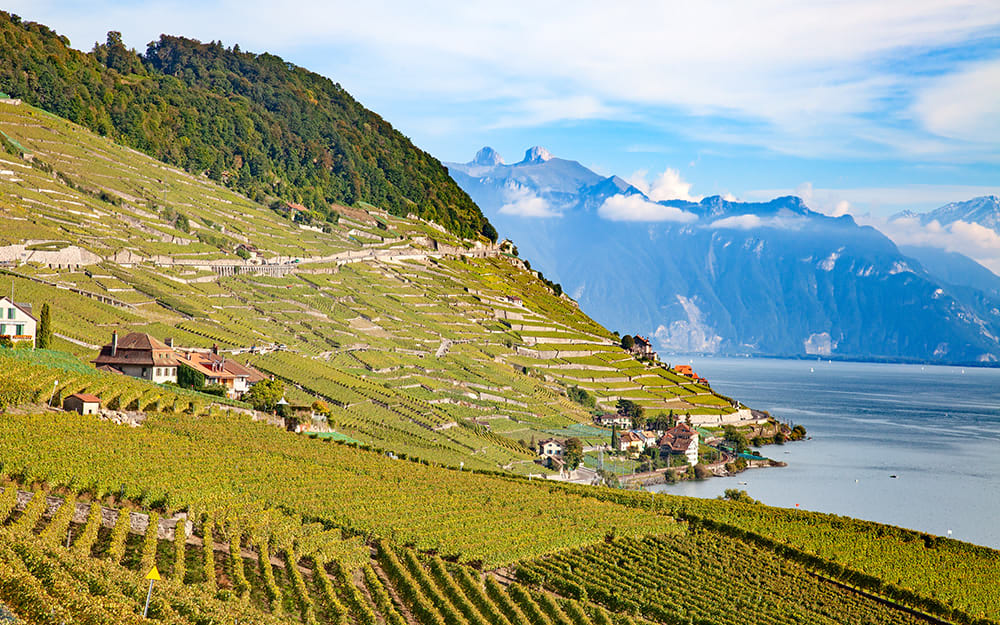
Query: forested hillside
x=255 y=122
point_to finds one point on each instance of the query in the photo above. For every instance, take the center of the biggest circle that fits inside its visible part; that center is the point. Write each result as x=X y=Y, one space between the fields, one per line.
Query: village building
x=609 y=419
x=642 y=348
x=680 y=440
x=16 y=321
x=139 y=355
x=551 y=447
x=82 y=403
x=218 y=369
x=630 y=441
x=649 y=439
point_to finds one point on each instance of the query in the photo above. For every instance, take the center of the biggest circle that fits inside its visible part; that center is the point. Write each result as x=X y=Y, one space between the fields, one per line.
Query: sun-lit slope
x=251 y=486
x=422 y=343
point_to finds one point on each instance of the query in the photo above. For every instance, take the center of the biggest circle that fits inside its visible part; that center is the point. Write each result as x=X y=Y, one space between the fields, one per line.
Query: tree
x=581 y=396
x=574 y=453
x=265 y=395
x=632 y=410
x=189 y=378
x=628 y=342
x=737 y=438
x=45 y=328
x=614 y=437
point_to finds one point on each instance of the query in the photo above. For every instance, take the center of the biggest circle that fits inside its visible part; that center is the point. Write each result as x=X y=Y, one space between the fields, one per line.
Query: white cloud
x=521 y=202
x=667 y=186
x=752 y=222
x=975 y=241
x=637 y=208
x=876 y=200
x=807 y=75
x=964 y=105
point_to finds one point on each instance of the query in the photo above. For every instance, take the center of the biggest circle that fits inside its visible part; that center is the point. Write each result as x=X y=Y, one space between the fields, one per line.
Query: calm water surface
x=936 y=428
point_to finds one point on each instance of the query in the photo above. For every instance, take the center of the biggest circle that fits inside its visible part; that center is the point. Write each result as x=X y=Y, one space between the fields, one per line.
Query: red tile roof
x=86 y=397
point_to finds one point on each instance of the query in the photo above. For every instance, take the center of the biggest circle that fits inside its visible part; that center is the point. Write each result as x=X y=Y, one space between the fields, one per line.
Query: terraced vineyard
x=427 y=345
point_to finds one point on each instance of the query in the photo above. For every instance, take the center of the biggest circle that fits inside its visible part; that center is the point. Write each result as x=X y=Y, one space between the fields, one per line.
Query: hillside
x=260 y=125
x=420 y=343
x=438 y=358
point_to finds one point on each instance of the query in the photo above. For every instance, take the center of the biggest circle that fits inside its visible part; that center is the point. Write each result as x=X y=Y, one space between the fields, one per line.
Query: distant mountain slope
x=255 y=122
x=729 y=277
x=954 y=268
x=983 y=210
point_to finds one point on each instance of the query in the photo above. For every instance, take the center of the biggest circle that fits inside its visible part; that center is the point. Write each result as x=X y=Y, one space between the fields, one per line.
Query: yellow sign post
x=151 y=576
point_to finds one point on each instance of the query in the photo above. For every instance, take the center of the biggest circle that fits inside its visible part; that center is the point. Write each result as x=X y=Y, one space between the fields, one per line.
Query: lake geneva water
x=936 y=428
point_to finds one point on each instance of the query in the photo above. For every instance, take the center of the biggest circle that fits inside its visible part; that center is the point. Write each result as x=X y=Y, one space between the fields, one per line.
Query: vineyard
x=44 y=377
x=264 y=566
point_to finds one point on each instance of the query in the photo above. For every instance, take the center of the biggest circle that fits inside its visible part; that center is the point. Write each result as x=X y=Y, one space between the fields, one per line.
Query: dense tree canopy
x=255 y=122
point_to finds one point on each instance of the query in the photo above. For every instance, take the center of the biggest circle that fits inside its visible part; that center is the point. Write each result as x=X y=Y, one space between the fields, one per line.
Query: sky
x=859 y=106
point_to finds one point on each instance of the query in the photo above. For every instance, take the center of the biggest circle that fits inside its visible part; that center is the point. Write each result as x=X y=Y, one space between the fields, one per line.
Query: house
x=218 y=369
x=630 y=441
x=680 y=440
x=139 y=355
x=642 y=348
x=16 y=321
x=609 y=419
x=552 y=447
x=82 y=403
x=649 y=439
x=688 y=372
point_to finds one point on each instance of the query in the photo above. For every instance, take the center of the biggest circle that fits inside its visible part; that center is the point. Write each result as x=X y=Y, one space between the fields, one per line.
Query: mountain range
x=728 y=277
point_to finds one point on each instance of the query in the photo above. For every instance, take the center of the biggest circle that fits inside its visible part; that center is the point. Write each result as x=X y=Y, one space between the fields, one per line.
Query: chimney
x=215 y=349
x=114 y=342
x=169 y=342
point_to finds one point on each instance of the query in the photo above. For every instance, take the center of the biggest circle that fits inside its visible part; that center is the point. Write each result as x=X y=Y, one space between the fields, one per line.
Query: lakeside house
x=642 y=348
x=631 y=441
x=688 y=372
x=681 y=439
x=17 y=322
x=139 y=355
x=84 y=403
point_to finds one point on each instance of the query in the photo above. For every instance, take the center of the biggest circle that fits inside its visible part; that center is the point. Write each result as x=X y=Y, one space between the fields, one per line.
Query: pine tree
x=45 y=328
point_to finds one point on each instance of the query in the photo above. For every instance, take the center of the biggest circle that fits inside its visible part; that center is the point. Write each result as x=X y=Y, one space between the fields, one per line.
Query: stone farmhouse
x=139 y=355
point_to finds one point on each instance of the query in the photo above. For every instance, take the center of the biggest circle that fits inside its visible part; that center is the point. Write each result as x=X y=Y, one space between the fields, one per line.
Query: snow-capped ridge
x=537 y=154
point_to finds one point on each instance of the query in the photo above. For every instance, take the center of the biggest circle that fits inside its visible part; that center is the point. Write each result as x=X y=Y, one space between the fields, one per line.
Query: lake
x=937 y=429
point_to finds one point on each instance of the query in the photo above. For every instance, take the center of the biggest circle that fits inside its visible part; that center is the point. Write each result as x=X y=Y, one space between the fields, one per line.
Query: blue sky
x=866 y=107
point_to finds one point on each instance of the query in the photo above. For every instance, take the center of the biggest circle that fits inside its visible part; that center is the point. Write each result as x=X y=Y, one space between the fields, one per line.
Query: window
x=3 y=329
x=10 y=313
x=159 y=372
x=19 y=329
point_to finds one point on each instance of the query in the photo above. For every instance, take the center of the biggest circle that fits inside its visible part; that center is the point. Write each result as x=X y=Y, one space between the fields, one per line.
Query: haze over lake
x=936 y=428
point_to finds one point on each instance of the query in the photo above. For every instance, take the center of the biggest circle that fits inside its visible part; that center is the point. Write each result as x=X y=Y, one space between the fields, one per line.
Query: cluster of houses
x=680 y=440
x=140 y=355
x=688 y=372
x=17 y=322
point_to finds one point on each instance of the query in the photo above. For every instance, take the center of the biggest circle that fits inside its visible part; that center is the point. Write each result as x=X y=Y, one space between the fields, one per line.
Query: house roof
x=212 y=366
x=86 y=397
x=679 y=438
x=110 y=369
x=22 y=306
x=630 y=437
x=137 y=348
x=551 y=440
